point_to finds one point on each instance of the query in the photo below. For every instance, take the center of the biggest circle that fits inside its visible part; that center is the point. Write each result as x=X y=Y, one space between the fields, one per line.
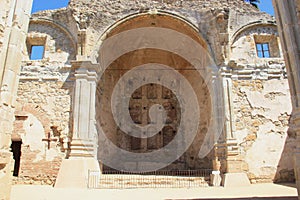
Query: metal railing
x=156 y=179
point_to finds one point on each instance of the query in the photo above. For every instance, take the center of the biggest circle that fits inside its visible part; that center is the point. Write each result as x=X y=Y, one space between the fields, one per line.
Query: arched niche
x=59 y=44
x=244 y=43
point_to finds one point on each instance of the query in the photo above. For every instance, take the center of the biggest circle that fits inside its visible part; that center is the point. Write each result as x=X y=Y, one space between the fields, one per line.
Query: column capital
x=85 y=65
x=86 y=75
x=225 y=72
x=85 y=70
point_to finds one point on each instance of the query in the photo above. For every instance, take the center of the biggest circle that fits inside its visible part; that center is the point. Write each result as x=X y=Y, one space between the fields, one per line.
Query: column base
x=74 y=173
x=7 y=161
x=235 y=180
x=297 y=170
x=80 y=148
x=215 y=179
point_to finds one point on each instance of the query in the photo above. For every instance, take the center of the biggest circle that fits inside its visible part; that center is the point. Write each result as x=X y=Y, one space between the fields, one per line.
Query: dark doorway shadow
x=16 y=149
x=292 y=184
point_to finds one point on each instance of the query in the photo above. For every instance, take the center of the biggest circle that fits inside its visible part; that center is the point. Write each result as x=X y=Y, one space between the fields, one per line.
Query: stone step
x=147 y=181
x=84 y=151
x=81 y=155
x=81 y=148
x=83 y=143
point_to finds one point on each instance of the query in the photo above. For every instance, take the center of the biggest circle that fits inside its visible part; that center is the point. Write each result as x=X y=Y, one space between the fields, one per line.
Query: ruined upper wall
x=117 y=6
x=101 y=13
x=216 y=20
x=113 y=9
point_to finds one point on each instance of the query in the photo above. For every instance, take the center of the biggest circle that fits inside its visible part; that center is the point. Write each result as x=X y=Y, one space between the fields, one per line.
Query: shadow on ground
x=293 y=185
x=248 y=198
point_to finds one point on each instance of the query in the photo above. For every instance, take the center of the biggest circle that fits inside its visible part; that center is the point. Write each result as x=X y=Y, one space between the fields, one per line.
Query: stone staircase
x=144 y=181
x=124 y=181
x=83 y=149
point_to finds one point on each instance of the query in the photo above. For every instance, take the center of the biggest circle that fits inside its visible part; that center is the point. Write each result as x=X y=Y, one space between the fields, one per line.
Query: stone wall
x=59 y=46
x=216 y=20
x=50 y=98
x=243 y=49
x=262 y=104
x=44 y=95
x=44 y=98
x=262 y=110
x=46 y=106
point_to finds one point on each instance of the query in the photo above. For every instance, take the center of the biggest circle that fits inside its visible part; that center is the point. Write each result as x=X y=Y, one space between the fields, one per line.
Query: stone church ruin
x=60 y=110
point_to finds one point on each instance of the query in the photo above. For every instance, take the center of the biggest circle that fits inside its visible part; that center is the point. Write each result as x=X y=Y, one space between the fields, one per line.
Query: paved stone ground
x=253 y=192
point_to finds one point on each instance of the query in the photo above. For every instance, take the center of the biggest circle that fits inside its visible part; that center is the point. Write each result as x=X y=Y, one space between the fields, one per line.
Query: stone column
x=75 y=171
x=288 y=21
x=14 y=20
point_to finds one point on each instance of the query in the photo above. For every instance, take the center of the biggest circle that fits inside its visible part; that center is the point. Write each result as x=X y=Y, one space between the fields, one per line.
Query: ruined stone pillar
x=288 y=21
x=74 y=172
x=14 y=20
x=232 y=149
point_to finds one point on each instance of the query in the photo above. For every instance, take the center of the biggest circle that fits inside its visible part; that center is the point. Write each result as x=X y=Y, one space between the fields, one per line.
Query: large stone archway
x=153 y=44
x=166 y=44
x=149 y=94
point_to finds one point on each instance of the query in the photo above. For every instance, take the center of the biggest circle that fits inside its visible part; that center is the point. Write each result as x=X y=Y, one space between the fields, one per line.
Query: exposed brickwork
x=39 y=172
x=49 y=105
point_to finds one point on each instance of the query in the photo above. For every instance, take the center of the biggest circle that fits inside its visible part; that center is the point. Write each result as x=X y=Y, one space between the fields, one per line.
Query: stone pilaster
x=287 y=15
x=295 y=126
x=218 y=115
x=74 y=172
x=234 y=176
x=232 y=150
x=84 y=139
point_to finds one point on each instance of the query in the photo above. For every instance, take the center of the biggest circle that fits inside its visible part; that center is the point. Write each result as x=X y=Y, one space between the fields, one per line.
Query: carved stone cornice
x=85 y=64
